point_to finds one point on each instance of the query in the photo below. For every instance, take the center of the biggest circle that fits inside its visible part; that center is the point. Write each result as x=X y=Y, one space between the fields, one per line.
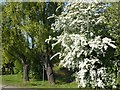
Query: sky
x=2 y=1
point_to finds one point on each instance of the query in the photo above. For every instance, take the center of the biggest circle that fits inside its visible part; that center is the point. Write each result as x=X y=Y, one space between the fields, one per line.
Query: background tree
x=112 y=20
x=27 y=26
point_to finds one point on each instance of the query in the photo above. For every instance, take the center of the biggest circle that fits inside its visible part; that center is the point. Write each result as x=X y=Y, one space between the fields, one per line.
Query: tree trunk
x=26 y=69
x=11 y=70
x=49 y=71
x=26 y=72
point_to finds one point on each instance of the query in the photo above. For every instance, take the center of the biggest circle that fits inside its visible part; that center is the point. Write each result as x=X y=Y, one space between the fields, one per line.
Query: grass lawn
x=17 y=81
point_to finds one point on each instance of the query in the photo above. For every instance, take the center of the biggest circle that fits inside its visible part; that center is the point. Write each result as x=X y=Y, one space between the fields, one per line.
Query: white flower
x=100 y=83
x=81 y=46
x=105 y=47
x=106 y=40
x=109 y=42
x=112 y=45
x=55 y=55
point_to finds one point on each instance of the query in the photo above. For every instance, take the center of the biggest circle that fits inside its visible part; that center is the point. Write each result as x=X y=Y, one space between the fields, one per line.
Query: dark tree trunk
x=11 y=70
x=11 y=65
x=48 y=66
x=26 y=72
x=26 y=69
x=49 y=70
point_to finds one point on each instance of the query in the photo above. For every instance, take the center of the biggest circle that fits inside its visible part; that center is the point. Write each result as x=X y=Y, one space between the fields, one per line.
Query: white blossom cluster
x=80 y=45
x=96 y=77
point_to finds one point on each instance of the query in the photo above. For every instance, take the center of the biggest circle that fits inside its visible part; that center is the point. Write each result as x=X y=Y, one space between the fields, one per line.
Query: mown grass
x=17 y=81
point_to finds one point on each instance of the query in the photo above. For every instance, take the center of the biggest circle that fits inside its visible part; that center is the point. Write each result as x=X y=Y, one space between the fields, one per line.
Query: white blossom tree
x=80 y=33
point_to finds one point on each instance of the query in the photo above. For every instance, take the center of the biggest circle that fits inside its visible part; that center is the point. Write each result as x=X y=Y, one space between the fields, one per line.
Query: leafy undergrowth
x=17 y=81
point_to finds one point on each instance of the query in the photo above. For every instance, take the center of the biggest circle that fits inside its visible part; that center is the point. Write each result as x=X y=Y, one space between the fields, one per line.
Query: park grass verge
x=17 y=81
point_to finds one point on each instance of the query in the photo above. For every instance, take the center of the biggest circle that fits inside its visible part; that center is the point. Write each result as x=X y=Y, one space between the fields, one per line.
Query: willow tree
x=25 y=28
x=13 y=41
x=81 y=33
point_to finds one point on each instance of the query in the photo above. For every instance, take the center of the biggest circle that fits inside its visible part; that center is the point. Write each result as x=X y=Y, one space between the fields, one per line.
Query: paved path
x=7 y=86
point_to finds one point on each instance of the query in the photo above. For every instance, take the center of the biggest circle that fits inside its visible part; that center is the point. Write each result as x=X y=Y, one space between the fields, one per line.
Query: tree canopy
x=83 y=36
x=25 y=28
x=86 y=43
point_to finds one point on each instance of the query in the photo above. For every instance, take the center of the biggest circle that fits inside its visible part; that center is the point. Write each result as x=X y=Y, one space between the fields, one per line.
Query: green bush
x=18 y=67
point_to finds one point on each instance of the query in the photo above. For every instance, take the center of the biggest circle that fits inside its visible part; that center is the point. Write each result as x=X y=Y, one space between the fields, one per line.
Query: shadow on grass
x=63 y=78
x=7 y=80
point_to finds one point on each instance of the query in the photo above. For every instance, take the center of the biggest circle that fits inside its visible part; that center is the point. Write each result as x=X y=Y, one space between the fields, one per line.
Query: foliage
x=18 y=67
x=85 y=45
x=18 y=29
x=112 y=20
x=25 y=28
